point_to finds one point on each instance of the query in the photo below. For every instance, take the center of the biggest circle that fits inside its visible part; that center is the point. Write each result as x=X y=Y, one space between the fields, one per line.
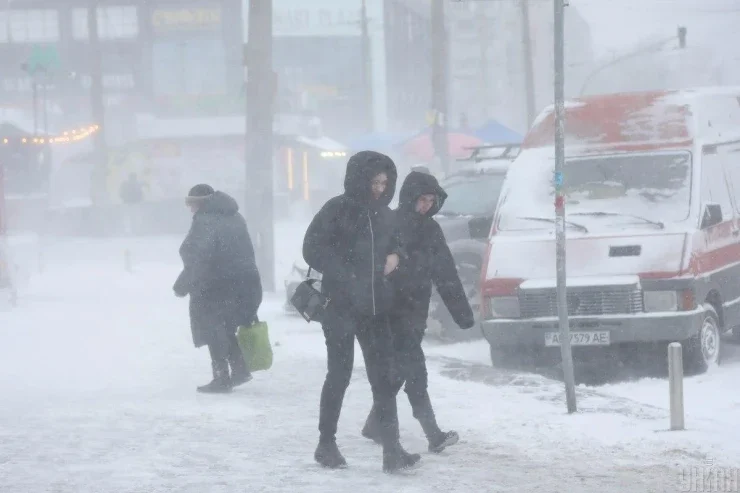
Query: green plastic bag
x=254 y=342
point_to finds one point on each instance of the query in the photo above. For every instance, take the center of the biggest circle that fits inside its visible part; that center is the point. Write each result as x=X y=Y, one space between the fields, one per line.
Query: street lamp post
x=565 y=349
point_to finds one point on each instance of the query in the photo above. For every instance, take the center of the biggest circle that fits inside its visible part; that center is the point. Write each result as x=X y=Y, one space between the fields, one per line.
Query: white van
x=652 y=204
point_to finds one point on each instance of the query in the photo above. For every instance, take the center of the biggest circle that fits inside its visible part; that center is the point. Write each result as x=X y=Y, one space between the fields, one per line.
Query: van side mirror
x=712 y=215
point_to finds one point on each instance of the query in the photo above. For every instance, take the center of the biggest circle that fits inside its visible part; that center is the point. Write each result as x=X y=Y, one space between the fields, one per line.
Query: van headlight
x=660 y=301
x=504 y=307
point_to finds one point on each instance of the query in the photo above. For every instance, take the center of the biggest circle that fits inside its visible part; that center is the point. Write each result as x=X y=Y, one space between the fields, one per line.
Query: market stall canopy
x=321 y=143
x=8 y=129
x=326 y=146
x=459 y=145
x=492 y=132
x=17 y=119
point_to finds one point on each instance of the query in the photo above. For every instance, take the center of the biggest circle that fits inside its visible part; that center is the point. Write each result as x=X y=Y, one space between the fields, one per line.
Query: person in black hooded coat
x=427 y=261
x=351 y=242
x=220 y=275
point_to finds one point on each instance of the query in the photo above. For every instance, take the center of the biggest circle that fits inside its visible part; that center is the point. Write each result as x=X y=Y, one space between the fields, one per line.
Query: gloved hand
x=180 y=286
x=391 y=263
x=467 y=323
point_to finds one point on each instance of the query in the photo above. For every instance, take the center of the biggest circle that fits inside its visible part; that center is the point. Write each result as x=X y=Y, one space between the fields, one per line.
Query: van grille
x=582 y=301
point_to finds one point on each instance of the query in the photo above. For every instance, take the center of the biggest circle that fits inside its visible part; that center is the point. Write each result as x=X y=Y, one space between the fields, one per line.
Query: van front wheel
x=702 y=351
x=505 y=356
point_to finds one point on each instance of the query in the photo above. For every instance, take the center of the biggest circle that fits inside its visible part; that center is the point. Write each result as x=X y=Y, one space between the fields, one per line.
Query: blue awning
x=492 y=132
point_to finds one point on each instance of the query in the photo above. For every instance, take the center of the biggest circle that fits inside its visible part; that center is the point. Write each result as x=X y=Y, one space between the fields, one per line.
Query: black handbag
x=309 y=301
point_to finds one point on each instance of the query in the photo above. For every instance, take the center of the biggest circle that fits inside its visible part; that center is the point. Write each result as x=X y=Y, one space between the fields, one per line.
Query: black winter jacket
x=350 y=237
x=427 y=258
x=220 y=272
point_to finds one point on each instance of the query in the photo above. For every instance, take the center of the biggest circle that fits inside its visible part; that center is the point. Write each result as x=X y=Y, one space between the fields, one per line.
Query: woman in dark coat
x=427 y=262
x=351 y=242
x=220 y=275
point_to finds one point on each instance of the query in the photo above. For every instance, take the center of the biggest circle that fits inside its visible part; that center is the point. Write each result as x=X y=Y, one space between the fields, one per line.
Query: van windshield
x=599 y=190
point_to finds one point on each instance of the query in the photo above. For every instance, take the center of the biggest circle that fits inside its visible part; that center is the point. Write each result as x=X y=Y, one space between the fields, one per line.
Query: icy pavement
x=98 y=377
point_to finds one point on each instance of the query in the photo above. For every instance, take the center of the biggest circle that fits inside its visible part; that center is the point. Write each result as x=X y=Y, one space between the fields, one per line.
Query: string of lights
x=68 y=136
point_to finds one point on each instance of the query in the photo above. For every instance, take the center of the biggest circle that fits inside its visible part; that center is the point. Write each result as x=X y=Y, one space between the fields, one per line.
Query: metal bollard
x=675 y=385
x=127 y=260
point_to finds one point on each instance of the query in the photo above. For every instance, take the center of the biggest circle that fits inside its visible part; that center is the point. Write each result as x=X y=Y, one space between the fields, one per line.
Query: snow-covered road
x=98 y=377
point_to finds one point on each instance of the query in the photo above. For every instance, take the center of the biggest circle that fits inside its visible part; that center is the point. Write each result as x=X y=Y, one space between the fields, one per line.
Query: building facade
x=486 y=78
x=163 y=57
x=408 y=48
x=318 y=56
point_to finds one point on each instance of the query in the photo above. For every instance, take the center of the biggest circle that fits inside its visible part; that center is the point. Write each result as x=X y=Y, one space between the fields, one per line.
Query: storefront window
x=115 y=22
x=29 y=26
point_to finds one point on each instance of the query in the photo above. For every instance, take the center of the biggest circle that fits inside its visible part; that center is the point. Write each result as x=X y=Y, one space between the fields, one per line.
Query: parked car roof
x=488 y=159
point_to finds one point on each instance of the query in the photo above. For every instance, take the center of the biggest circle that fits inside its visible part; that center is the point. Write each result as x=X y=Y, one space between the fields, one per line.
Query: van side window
x=730 y=157
x=714 y=187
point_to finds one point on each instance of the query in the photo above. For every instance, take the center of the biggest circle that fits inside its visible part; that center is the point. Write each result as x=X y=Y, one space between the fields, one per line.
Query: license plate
x=591 y=338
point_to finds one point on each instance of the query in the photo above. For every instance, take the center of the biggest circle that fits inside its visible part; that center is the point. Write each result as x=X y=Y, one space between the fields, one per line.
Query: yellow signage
x=431 y=117
x=183 y=19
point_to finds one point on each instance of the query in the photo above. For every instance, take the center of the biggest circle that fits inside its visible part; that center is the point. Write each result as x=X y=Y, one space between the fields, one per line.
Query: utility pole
x=367 y=70
x=483 y=34
x=439 y=83
x=45 y=100
x=100 y=150
x=565 y=349
x=3 y=215
x=261 y=85
x=35 y=97
x=528 y=62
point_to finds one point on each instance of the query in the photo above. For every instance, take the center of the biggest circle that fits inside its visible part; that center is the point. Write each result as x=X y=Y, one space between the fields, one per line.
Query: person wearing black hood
x=428 y=261
x=351 y=242
x=220 y=275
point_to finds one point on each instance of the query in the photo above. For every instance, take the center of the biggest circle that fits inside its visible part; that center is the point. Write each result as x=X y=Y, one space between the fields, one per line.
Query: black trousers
x=411 y=363
x=373 y=334
x=225 y=353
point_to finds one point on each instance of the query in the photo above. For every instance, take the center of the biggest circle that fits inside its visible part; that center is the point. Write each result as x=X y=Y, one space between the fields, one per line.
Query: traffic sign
x=42 y=59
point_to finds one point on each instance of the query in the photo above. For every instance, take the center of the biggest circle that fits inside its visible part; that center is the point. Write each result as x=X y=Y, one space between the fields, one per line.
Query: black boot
x=440 y=442
x=438 y=439
x=239 y=372
x=396 y=459
x=328 y=455
x=221 y=383
x=239 y=377
x=371 y=430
